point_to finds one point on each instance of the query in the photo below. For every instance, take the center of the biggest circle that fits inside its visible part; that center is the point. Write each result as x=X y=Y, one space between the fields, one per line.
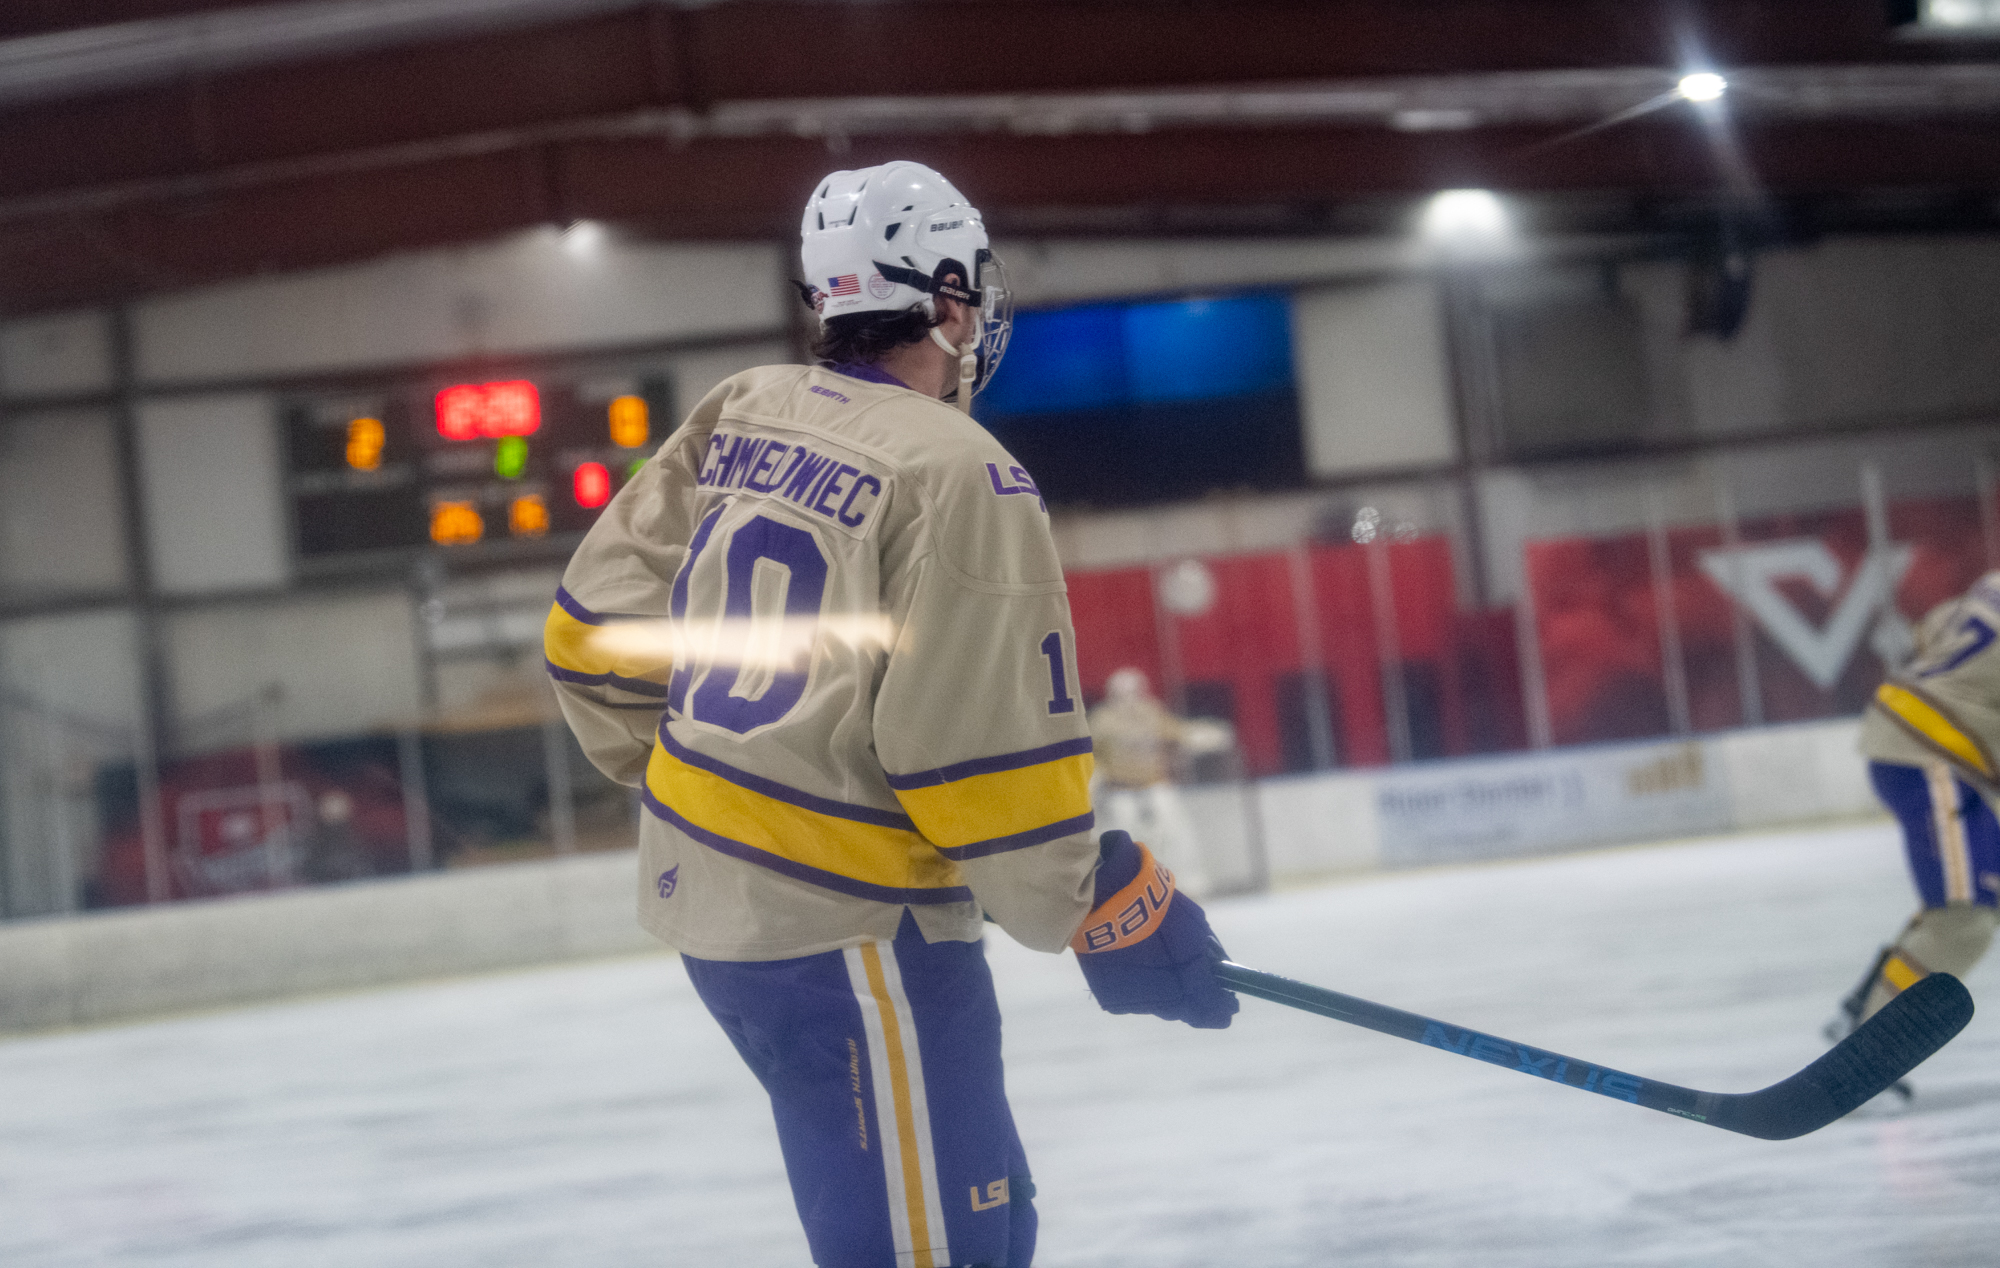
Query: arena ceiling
x=152 y=144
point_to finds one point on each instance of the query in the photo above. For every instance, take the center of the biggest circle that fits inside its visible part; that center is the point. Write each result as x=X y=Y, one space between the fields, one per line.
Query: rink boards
x=107 y=965
x=1532 y=803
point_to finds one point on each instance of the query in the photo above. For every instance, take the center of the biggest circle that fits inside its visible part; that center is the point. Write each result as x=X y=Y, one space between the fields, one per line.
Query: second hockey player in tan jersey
x=1931 y=734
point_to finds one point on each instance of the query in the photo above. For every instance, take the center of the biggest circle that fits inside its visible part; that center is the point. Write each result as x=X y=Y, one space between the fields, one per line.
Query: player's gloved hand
x=1145 y=947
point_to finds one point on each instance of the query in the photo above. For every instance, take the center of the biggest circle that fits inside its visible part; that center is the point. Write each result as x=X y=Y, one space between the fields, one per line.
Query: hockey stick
x=1882 y=1050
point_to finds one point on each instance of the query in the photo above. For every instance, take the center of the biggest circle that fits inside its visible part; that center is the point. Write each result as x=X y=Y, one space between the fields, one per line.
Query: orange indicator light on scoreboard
x=456 y=524
x=365 y=439
x=468 y=411
x=631 y=423
x=528 y=516
x=592 y=485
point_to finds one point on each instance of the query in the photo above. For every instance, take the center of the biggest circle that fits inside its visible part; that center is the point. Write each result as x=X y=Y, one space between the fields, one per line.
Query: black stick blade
x=1860 y=1067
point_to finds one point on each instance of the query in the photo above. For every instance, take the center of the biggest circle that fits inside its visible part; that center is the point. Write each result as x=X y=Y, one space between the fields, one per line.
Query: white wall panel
x=1873 y=328
x=346 y=663
x=1053 y=271
x=214 y=493
x=1847 y=331
x=1374 y=382
x=55 y=353
x=62 y=521
x=540 y=290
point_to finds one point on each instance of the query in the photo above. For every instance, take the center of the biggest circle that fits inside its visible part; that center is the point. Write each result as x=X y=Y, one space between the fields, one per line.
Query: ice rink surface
x=593 y=1115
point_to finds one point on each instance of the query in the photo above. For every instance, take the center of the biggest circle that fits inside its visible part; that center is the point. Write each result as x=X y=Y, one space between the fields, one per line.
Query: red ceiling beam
x=752 y=188
x=765 y=49
x=39 y=17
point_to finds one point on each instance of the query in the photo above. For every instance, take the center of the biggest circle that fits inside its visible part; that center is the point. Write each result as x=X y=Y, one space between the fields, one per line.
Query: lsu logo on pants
x=996 y=1195
x=670 y=880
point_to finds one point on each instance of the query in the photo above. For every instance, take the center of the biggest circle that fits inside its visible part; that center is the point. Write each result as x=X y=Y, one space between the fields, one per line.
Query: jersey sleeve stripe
x=1003 y=805
x=1928 y=722
x=783 y=792
x=568 y=603
x=568 y=651
x=868 y=861
x=1020 y=840
x=638 y=686
x=989 y=765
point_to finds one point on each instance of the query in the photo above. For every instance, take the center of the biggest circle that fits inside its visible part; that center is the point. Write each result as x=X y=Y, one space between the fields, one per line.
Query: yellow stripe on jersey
x=892 y=857
x=571 y=645
x=1933 y=725
x=1000 y=804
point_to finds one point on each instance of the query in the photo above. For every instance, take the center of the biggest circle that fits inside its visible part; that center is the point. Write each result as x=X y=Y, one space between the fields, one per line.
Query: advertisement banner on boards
x=1533 y=803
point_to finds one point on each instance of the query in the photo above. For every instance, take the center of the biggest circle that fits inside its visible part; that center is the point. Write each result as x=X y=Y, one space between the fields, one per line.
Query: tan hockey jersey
x=1946 y=704
x=825 y=632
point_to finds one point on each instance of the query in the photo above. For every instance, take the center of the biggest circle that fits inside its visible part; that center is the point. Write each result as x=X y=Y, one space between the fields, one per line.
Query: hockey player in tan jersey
x=825 y=633
x=1931 y=734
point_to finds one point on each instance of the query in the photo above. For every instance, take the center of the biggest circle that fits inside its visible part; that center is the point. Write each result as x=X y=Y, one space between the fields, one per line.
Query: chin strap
x=968 y=366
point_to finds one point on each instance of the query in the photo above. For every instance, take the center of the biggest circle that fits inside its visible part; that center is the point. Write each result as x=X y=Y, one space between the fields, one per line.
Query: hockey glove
x=1145 y=948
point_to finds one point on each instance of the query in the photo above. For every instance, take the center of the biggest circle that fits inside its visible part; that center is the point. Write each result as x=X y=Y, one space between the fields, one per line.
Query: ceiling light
x=583 y=238
x=1959 y=15
x=1466 y=215
x=1703 y=86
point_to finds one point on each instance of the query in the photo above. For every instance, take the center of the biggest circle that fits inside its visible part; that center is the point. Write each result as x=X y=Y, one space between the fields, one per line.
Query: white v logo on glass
x=1750 y=574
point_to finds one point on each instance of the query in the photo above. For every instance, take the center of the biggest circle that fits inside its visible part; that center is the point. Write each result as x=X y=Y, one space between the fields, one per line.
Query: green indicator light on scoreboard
x=510 y=457
x=633 y=470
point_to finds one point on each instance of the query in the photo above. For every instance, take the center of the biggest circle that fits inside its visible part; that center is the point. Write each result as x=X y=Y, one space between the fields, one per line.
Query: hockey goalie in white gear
x=892 y=238
x=1139 y=743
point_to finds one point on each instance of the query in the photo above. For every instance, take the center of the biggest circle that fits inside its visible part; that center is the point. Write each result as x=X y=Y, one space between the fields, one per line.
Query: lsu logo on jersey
x=996 y=1195
x=1015 y=481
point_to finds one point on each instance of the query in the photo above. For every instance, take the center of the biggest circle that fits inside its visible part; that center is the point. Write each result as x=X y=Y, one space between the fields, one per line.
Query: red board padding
x=1597 y=616
x=1252 y=644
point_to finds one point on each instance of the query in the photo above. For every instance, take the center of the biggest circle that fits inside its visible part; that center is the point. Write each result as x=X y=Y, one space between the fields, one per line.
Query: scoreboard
x=453 y=465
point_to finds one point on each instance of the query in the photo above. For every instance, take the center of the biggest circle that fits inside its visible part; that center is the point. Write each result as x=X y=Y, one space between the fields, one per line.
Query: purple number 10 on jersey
x=788 y=654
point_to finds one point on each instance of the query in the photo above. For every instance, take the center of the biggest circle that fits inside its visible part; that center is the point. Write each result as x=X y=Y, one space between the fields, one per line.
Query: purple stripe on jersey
x=866 y=373
x=568 y=603
x=784 y=792
x=637 y=686
x=800 y=871
x=990 y=765
x=1020 y=840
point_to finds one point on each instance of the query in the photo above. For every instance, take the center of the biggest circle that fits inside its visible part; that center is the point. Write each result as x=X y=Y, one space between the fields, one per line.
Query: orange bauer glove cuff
x=1131 y=915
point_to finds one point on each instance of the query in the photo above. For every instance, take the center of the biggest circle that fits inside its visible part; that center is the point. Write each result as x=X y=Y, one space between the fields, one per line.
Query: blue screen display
x=1103 y=356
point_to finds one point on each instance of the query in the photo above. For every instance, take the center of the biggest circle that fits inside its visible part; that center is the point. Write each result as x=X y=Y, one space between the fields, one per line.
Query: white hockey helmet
x=1128 y=683
x=885 y=239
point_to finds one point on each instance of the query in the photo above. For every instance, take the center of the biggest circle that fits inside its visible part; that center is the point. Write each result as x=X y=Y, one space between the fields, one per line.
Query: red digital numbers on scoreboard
x=470 y=411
